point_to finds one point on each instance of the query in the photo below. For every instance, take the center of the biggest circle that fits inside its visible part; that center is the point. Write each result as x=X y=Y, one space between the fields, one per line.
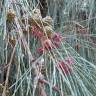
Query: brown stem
x=8 y=71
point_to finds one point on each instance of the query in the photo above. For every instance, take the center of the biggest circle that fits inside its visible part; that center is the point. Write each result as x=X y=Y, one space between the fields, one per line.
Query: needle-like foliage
x=47 y=48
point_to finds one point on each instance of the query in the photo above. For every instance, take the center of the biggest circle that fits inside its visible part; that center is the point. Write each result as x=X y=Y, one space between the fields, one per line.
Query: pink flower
x=65 y=66
x=36 y=32
x=40 y=50
x=57 y=37
x=46 y=45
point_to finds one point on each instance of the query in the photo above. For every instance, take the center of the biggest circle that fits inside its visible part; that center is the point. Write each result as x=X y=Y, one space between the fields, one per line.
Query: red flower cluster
x=65 y=66
x=36 y=32
x=40 y=50
x=50 y=43
x=47 y=43
x=56 y=39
